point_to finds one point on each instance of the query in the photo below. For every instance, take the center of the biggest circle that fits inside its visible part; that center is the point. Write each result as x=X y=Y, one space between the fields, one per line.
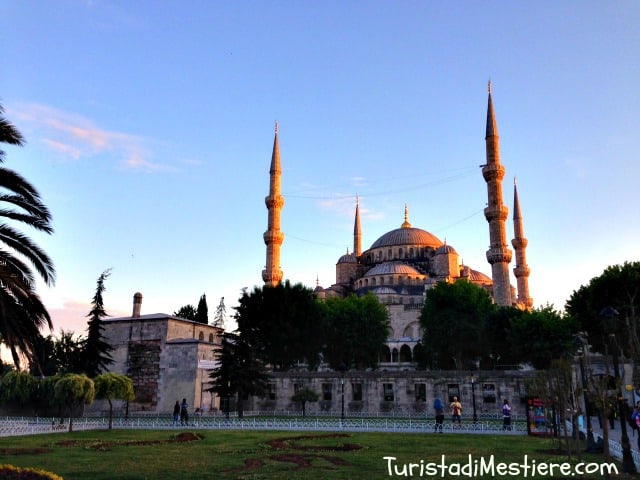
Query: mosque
x=404 y=263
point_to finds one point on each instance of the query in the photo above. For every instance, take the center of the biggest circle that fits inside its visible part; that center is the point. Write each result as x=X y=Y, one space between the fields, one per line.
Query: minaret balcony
x=496 y=212
x=273 y=237
x=519 y=242
x=274 y=201
x=521 y=271
x=493 y=171
x=499 y=255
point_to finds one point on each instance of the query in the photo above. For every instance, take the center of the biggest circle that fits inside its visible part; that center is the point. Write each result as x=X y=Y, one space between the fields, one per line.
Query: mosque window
x=411 y=252
x=201 y=336
x=385 y=354
x=327 y=391
x=420 y=390
x=373 y=281
x=394 y=355
x=489 y=393
x=271 y=391
x=453 y=390
x=387 y=392
x=405 y=353
x=297 y=387
x=389 y=254
x=400 y=253
x=211 y=337
x=356 y=392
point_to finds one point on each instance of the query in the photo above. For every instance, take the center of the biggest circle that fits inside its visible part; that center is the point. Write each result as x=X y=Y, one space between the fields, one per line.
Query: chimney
x=137 y=305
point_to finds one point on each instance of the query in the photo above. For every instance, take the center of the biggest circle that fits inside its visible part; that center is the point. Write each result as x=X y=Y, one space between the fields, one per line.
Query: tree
x=240 y=370
x=220 y=315
x=305 y=395
x=68 y=353
x=188 y=312
x=74 y=389
x=619 y=287
x=202 y=313
x=45 y=362
x=113 y=386
x=356 y=328
x=284 y=323
x=95 y=350
x=542 y=335
x=17 y=387
x=453 y=318
x=22 y=313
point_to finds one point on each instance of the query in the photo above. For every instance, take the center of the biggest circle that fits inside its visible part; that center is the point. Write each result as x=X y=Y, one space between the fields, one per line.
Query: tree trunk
x=110 y=415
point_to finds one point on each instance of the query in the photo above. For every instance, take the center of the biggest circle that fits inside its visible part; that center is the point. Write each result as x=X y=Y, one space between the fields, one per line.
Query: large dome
x=407 y=236
x=388 y=268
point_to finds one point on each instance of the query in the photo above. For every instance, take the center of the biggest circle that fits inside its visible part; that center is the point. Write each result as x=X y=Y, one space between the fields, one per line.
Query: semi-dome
x=348 y=258
x=479 y=277
x=445 y=249
x=384 y=291
x=407 y=236
x=390 y=268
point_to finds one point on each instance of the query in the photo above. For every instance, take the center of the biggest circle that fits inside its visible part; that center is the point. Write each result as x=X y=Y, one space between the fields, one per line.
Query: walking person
x=184 y=412
x=456 y=411
x=506 y=415
x=438 y=407
x=176 y=413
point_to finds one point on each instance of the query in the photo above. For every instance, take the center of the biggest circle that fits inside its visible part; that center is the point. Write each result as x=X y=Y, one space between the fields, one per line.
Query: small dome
x=479 y=277
x=384 y=291
x=392 y=268
x=407 y=236
x=348 y=258
x=445 y=249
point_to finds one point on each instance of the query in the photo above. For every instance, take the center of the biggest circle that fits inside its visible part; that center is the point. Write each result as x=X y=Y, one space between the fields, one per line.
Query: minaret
x=519 y=242
x=273 y=237
x=499 y=254
x=357 y=232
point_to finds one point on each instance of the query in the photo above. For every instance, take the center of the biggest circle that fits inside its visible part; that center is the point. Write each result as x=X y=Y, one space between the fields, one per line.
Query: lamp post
x=473 y=398
x=228 y=397
x=343 y=368
x=584 y=343
x=610 y=314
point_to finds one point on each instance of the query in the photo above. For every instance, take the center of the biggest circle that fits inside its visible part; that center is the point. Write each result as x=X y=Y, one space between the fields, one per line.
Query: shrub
x=9 y=472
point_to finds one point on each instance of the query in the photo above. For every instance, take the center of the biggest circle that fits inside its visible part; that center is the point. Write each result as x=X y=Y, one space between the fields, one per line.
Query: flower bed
x=9 y=472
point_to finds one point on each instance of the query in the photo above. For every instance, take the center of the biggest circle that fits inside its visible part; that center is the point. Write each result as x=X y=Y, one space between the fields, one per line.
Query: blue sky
x=150 y=127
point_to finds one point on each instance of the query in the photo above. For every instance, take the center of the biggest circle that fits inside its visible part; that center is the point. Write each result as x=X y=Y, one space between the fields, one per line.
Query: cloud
x=75 y=137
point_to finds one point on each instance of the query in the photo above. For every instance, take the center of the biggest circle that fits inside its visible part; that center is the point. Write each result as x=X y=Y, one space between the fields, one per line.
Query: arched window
x=385 y=354
x=411 y=252
x=373 y=281
x=211 y=337
x=400 y=253
x=405 y=353
x=201 y=336
x=389 y=254
x=394 y=355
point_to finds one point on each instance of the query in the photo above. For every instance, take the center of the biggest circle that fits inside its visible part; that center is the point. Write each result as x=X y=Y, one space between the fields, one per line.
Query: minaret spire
x=273 y=237
x=499 y=254
x=357 y=231
x=406 y=223
x=519 y=242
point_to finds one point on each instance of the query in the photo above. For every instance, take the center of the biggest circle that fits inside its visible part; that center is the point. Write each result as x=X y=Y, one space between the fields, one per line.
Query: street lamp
x=610 y=314
x=342 y=368
x=584 y=345
x=473 y=398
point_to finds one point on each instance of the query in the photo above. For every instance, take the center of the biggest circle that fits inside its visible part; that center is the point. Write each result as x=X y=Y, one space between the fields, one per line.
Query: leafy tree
x=542 y=335
x=497 y=331
x=22 y=313
x=95 y=350
x=619 y=287
x=284 y=323
x=68 y=353
x=17 y=387
x=220 y=315
x=355 y=328
x=188 y=312
x=305 y=395
x=45 y=362
x=240 y=371
x=113 y=386
x=202 y=313
x=73 y=390
x=453 y=318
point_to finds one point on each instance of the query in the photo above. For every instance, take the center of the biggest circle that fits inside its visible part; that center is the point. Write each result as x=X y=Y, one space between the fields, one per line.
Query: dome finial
x=276 y=128
x=489 y=87
x=406 y=223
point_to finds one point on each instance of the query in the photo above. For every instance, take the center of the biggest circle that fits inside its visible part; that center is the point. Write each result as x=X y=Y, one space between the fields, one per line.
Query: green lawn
x=137 y=455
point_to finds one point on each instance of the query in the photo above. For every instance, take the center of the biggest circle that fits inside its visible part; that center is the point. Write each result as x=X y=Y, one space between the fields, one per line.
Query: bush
x=9 y=472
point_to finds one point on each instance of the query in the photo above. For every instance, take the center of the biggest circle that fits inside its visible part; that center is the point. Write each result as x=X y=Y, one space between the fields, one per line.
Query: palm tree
x=22 y=313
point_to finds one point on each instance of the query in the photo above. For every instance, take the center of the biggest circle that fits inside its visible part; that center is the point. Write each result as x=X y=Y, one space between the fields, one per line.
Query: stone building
x=168 y=358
